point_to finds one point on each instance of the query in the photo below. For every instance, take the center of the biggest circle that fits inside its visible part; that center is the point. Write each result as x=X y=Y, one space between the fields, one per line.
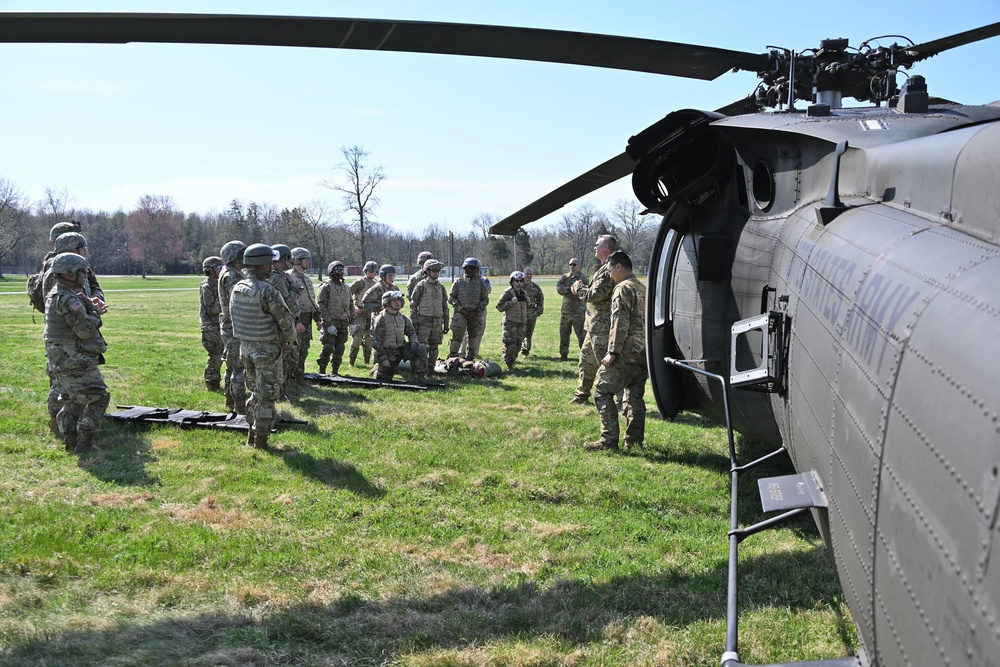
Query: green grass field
x=465 y=526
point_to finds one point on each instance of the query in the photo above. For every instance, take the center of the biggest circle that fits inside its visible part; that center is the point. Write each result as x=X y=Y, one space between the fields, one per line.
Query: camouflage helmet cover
x=433 y=265
x=232 y=251
x=392 y=294
x=371 y=266
x=70 y=241
x=424 y=256
x=284 y=252
x=68 y=262
x=211 y=263
x=259 y=254
x=516 y=275
x=300 y=253
x=335 y=266
x=61 y=228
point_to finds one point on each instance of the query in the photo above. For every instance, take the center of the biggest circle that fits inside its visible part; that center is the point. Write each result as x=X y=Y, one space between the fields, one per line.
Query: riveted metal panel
x=940 y=487
x=976 y=202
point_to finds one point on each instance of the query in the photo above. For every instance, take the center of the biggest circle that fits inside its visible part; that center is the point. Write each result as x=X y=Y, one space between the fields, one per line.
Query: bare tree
x=155 y=232
x=14 y=218
x=581 y=228
x=358 y=190
x=633 y=231
x=55 y=205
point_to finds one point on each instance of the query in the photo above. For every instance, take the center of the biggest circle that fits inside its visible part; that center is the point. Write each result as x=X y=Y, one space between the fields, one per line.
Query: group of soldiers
x=258 y=307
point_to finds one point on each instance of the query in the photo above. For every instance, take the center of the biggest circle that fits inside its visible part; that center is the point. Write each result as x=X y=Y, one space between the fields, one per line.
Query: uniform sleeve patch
x=75 y=305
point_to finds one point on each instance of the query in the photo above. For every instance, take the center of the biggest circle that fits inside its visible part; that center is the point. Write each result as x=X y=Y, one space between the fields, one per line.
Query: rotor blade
x=741 y=106
x=601 y=175
x=928 y=49
x=556 y=46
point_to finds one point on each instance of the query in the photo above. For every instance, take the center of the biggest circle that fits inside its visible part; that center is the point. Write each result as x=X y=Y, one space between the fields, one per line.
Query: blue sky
x=457 y=137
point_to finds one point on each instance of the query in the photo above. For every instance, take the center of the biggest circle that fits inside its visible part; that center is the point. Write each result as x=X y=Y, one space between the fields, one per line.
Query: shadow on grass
x=330 y=472
x=357 y=631
x=125 y=453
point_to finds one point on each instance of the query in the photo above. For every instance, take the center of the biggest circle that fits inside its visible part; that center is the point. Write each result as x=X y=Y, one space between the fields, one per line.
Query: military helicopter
x=813 y=268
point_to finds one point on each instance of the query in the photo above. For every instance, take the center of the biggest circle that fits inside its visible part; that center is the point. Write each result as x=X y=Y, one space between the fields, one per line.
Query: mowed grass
x=465 y=526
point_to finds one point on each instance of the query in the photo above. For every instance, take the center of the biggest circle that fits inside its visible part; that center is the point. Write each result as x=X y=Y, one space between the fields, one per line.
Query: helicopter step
x=791 y=492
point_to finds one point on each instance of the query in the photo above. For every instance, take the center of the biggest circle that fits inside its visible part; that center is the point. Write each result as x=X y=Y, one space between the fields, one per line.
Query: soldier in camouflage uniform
x=429 y=310
x=598 y=299
x=74 y=347
x=362 y=327
x=280 y=263
x=309 y=314
x=211 y=335
x=469 y=297
x=263 y=325
x=574 y=311
x=73 y=242
x=624 y=365
x=536 y=305
x=371 y=301
x=336 y=312
x=395 y=340
x=419 y=274
x=234 y=381
x=514 y=304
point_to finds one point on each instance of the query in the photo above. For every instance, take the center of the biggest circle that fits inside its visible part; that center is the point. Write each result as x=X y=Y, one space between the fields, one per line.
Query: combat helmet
x=392 y=294
x=300 y=253
x=61 y=228
x=472 y=261
x=283 y=252
x=516 y=275
x=370 y=266
x=433 y=265
x=68 y=262
x=211 y=263
x=386 y=269
x=70 y=241
x=259 y=254
x=335 y=266
x=232 y=251
x=423 y=257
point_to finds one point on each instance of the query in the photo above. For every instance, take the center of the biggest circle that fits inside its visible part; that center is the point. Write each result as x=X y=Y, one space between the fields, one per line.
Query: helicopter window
x=763 y=185
x=663 y=305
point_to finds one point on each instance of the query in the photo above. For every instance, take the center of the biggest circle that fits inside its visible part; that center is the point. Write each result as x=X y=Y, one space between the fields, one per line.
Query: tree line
x=155 y=237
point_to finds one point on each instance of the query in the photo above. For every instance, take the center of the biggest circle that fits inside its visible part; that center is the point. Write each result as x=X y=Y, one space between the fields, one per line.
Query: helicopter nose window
x=763 y=185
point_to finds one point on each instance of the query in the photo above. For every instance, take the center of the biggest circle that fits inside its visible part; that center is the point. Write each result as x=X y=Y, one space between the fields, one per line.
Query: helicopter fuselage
x=885 y=265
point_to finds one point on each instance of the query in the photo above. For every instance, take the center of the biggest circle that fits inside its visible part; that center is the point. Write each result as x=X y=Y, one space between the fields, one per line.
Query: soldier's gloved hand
x=332 y=329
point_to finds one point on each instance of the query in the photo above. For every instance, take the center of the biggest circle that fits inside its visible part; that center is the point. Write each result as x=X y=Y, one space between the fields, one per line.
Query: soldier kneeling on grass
x=395 y=339
x=74 y=347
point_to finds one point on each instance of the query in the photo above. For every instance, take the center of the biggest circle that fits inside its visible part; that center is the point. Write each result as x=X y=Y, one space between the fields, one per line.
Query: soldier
x=623 y=367
x=395 y=340
x=76 y=243
x=574 y=311
x=234 y=381
x=307 y=301
x=372 y=299
x=211 y=335
x=74 y=347
x=536 y=305
x=362 y=327
x=598 y=299
x=429 y=310
x=336 y=312
x=281 y=262
x=469 y=296
x=514 y=304
x=263 y=325
x=419 y=274
x=482 y=320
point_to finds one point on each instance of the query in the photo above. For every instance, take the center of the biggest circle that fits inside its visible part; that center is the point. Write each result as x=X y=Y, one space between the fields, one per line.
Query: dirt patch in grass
x=121 y=499
x=208 y=514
